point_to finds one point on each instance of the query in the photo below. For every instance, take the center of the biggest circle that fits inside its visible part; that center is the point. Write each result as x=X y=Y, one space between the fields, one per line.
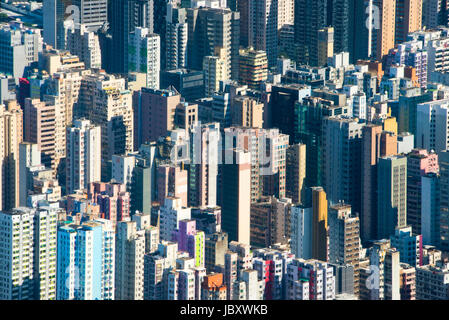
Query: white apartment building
x=144 y=55
x=286 y=13
x=170 y=214
x=318 y=276
x=268 y=152
x=215 y=70
x=253 y=287
x=83 y=162
x=432 y=129
x=129 y=260
x=23 y=273
x=86 y=45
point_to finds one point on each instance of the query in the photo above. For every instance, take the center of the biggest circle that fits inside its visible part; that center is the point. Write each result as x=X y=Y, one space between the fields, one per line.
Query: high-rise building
x=375 y=144
x=156 y=267
x=7 y=86
x=11 y=136
x=186 y=115
x=181 y=282
x=64 y=92
x=283 y=112
x=86 y=45
x=188 y=82
x=63 y=96
x=144 y=55
x=172 y=181
x=271 y=265
x=391 y=195
x=362 y=36
x=88 y=86
x=40 y=128
x=270 y=222
x=210 y=28
x=434 y=13
x=161 y=105
x=392 y=270
x=301 y=232
x=122 y=168
x=176 y=37
x=247 y=112
x=326 y=45
x=431 y=128
x=253 y=67
x=259 y=26
x=383 y=34
x=191 y=240
x=53 y=17
x=236 y=200
x=306 y=121
x=129 y=260
x=408 y=18
x=110 y=108
x=444 y=199
x=310 y=17
x=137 y=171
x=432 y=282
x=91 y=13
x=344 y=281
x=419 y=163
x=436 y=54
x=319 y=224
x=30 y=161
x=83 y=163
x=409 y=245
x=216 y=246
x=340 y=17
x=359 y=106
x=384 y=261
x=29 y=269
x=230 y=272
x=344 y=239
x=80 y=278
x=250 y=287
x=215 y=70
x=303 y=277
x=268 y=154
x=20 y=47
x=205 y=155
x=342 y=144
x=113 y=200
x=286 y=13
x=171 y=213
x=296 y=173
x=244 y=256
x=430 y=209
x=407 y=282
x=408 y=101
x=152 y=238
x=108 y=261
x=123 y=17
